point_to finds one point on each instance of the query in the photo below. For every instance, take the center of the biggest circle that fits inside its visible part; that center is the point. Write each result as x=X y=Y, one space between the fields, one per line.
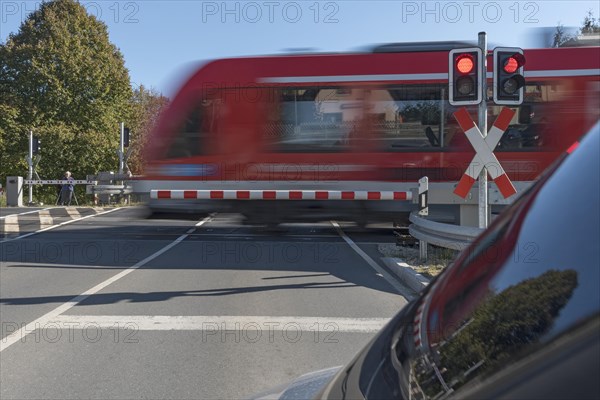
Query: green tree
x=560 y=36
x=590 y=24
x=11 y=142
x=62 y=78
x=589 y=27
x=146 y=106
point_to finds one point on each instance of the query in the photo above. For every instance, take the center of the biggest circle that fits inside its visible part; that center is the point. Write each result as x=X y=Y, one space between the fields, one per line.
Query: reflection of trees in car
x=503 y=326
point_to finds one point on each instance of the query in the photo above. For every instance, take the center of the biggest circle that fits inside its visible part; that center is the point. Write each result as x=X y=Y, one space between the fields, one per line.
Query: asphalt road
x=107 y=304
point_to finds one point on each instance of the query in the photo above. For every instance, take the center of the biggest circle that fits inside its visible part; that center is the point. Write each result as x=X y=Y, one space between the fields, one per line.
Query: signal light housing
x=509 y=82
x=465 y=80
x=36 y=145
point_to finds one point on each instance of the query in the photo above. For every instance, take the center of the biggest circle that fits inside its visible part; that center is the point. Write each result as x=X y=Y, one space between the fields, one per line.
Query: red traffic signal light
x=465 y=78
x=509 y=82
x=464 y=63
x=511 y=65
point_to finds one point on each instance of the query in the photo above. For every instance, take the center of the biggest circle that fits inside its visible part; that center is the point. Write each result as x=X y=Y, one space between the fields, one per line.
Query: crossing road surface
x=108 y=304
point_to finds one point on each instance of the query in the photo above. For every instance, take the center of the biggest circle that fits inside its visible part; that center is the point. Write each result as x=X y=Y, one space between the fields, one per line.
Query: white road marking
x=57 y=225
x=220 y=322
x=11 y=224
x=45 y=218
x=28 y=212
x=386 y=275
x=73 y=213
x=14 y=337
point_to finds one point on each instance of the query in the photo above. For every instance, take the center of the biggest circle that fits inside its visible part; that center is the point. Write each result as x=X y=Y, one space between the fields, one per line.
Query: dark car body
x=517 y=315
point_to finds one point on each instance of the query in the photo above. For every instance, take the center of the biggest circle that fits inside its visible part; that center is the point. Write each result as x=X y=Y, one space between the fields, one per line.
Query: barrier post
x=121 y=146
x=424 y=196
x=422 y=250
x=423 y=211
x=30 y=163
x=483 y=180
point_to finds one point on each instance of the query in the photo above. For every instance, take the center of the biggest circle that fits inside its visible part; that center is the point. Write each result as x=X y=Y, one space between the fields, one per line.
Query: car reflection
x=517 y=315
x=504 y=325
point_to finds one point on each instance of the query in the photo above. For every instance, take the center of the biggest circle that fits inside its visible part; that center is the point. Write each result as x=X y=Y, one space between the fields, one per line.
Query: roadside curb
x=405 y=273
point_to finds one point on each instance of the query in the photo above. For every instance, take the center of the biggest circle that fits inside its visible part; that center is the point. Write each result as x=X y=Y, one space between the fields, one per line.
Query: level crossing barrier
x=59 y=182
x=279 y=195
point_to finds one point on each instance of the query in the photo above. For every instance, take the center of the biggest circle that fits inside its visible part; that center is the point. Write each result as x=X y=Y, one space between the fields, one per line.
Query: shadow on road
x=297 y=252
x=142 y=297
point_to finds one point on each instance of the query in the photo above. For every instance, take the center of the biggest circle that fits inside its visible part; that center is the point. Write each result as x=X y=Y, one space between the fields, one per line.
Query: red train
x=374 y=121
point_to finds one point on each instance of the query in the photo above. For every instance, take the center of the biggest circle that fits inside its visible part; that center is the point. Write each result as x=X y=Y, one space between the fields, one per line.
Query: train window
x=412 y=117
x=314 y=119
x=592 y=102
x=193 y=138
x=528 y=130
x=409 y=117
x=397 y=118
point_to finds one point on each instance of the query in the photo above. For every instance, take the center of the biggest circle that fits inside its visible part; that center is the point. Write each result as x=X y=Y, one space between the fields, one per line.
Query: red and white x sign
x=484 y=148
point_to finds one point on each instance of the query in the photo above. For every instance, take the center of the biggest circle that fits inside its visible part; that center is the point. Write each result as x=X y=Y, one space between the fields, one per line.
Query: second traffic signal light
x=465 y=78
x=509 y=82
x=36 y=145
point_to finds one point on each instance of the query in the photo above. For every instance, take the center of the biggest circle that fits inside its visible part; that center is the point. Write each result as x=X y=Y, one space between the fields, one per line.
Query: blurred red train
x=357 y=121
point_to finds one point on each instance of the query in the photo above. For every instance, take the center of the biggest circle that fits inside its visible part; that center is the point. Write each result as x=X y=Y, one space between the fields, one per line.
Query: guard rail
x=454 y=237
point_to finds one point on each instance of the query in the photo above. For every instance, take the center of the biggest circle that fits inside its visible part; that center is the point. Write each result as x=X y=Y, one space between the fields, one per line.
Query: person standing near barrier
x=66 y=192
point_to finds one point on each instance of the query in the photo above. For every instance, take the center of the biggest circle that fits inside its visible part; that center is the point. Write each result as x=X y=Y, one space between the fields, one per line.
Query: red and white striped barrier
x=278 y=195
x=484 y=148
x=58 y=182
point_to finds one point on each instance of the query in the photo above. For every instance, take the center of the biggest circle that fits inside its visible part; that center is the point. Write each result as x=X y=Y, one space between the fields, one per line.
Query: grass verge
x=438 y=258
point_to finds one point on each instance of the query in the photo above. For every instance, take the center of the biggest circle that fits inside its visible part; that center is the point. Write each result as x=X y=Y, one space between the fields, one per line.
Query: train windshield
x=196 y=132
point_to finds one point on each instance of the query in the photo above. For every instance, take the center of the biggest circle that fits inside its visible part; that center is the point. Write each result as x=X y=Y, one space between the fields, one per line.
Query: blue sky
x=163 y=40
